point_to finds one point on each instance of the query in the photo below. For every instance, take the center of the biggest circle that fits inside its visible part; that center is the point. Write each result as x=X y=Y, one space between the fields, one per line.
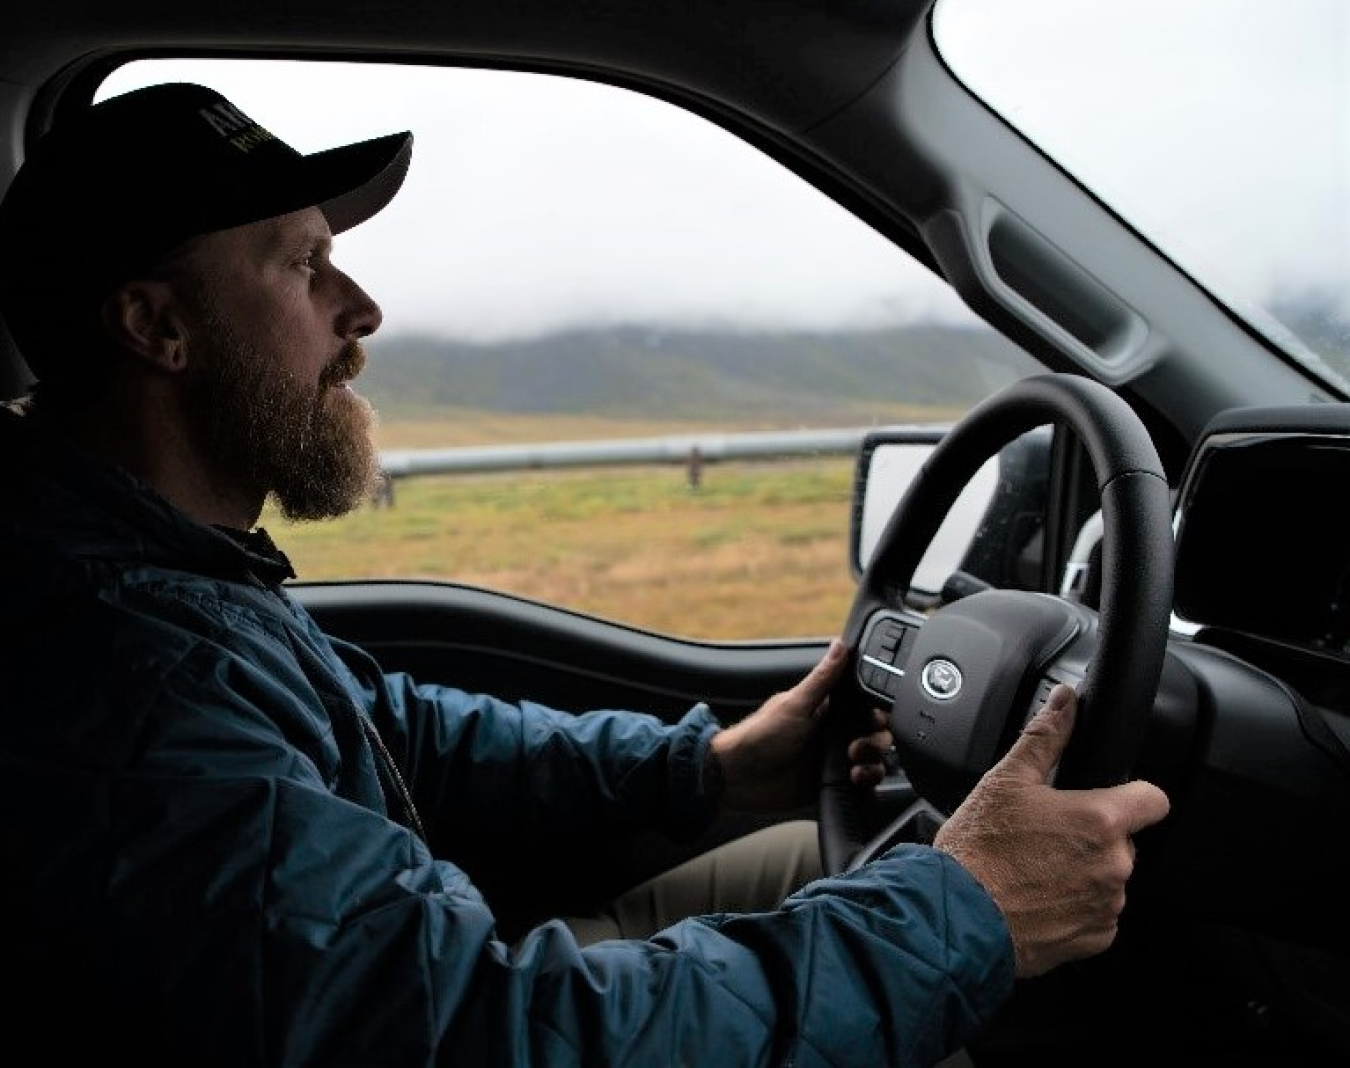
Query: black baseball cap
x=106 y=192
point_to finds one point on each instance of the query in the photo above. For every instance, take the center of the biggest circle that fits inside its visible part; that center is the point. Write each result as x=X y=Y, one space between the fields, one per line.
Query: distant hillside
x=697 y=375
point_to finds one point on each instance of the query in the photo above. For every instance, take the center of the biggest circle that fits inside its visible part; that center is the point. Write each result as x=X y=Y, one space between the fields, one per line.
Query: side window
x=626 y=359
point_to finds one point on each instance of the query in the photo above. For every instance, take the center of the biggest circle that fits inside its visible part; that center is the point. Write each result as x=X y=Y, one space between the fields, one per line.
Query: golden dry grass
x=758 y=550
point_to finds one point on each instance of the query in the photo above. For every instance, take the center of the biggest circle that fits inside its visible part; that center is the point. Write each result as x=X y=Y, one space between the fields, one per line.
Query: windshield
x=1219 y=129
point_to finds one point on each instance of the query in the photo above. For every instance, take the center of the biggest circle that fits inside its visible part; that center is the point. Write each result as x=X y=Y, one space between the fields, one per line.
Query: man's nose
x=362 y=316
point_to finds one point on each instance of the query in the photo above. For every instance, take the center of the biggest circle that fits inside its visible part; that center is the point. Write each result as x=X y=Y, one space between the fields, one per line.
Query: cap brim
x=353 y=182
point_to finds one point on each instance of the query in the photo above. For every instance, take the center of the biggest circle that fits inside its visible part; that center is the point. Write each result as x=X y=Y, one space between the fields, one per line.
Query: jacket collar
x=62 y=501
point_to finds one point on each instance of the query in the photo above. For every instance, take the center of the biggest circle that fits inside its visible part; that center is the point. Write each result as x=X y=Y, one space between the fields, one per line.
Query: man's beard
x=310 y=447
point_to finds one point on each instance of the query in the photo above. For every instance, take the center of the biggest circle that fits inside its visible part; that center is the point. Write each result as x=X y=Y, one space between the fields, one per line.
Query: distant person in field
x=231 y=840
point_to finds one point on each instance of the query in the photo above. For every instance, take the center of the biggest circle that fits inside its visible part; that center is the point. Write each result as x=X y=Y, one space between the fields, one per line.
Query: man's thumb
x=820 y=680
x=1042 y=741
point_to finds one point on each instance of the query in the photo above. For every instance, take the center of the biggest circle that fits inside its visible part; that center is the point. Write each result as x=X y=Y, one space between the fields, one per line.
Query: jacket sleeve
x=895 y=965
x=482 y=768
x=377 y=954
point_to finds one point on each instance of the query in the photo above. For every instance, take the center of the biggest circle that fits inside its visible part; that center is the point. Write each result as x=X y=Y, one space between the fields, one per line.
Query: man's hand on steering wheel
x=1056 y=862
x=770 y=759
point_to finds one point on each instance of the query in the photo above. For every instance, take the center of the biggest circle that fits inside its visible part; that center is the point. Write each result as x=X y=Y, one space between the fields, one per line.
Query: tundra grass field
x=755 y=550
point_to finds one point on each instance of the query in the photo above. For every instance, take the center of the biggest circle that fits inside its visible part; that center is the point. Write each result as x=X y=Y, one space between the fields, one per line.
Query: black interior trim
x=516 y=648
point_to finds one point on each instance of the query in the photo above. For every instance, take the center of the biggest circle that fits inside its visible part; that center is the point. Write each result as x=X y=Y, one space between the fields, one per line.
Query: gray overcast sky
x=537 y=202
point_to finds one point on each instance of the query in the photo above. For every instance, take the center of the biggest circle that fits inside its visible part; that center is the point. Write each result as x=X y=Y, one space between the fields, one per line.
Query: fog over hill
x=661 y=373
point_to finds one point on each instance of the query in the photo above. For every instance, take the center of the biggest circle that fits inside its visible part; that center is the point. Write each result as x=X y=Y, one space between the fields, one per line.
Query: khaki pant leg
x=753 y=873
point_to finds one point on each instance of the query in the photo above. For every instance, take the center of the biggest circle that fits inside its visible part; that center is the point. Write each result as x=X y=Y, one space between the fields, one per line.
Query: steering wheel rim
x=1005 y=648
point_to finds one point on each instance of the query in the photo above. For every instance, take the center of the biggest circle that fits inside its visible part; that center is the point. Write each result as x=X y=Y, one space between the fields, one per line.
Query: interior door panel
x=514 y=648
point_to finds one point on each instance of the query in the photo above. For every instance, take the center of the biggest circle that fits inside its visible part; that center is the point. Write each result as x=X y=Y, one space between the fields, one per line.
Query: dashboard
x=1263 y=533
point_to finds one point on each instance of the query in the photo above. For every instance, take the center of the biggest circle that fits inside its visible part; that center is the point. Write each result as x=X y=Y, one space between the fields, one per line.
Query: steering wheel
x=960 y=682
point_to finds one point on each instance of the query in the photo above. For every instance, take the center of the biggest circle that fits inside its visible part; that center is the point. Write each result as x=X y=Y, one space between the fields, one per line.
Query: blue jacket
x=210 y=855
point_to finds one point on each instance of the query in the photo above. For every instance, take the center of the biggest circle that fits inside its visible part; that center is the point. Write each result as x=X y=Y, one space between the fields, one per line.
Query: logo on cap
x=236 y=127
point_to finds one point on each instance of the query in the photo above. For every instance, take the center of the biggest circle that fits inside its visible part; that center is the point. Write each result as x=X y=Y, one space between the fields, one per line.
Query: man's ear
x=142 y=318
